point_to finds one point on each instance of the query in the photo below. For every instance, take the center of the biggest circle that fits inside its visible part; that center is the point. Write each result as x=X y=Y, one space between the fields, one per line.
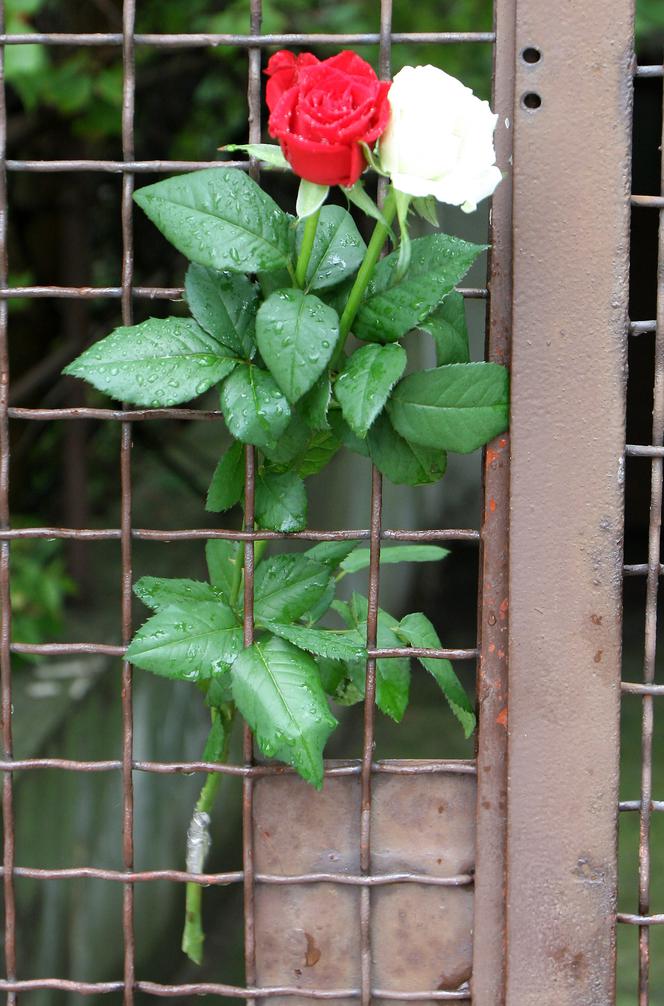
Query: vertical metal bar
x=5 y=599
x=493 y=599
x=385 y=65
x=650 y=643
x=254 y=109
x=571 y=179
x=128 y=102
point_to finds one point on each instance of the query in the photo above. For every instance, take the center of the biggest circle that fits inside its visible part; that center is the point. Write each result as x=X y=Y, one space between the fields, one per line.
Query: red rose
x=320 y=111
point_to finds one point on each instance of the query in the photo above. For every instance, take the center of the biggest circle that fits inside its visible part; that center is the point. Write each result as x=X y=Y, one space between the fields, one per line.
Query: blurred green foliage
x=40 y=588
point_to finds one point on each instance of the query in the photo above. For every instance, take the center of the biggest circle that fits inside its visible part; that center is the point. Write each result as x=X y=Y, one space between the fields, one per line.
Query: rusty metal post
x=571 y=212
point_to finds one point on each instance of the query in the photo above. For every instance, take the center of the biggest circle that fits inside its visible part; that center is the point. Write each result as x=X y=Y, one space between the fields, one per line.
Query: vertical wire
x=5 y=600
x=254 y=115
x=372 y=631
x=650 y=641
x=128 y=102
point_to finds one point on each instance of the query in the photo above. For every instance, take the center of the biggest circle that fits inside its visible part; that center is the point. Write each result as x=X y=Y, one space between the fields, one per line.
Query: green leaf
x=361 y=198
x=269 y=153
x=447 y=325
x=399 y=460
x=221 y=555
x=332 y=553
x=338 y=249
x=219 y=218
x=190 y=641
x=254 y=409
x=344 y=683
x=292 y=442
x=322 y=606
x=321 y=642
x=343 y=432
x=161 y=362
x=391 y=308
x=364 y=384
x=296 y=335
x=217 y=739
x=227 y=482
x=418 y=631
x=278 y=691
x=224 y=304
x=159 y=592
x=281 y=501
x=287 y=586
x=459 y=407
x=310 y=198
x=320 y=450
x=426 y=207
x=389 y=554
x=314 y=404
x=392 y=673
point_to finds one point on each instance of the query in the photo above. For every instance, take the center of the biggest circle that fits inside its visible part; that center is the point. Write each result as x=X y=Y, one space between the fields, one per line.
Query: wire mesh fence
x=366 y=767
x=490 y=651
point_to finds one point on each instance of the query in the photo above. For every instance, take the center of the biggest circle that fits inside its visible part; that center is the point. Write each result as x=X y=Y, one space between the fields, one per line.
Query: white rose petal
x=439 y=140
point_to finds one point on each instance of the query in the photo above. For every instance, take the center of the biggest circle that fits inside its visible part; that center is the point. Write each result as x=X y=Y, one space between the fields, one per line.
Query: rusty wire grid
x=492 y=660
x=648 y=689
x=366 y=766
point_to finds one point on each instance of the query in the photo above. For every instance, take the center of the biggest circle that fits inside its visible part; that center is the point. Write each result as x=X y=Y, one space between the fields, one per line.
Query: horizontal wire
x=237 y=876
x=109 y=650
x=656 y=70
x=642 y=327
x=199 y=39
x=638 y=688
x=195 y=534
x=145 y=292
x=639 y=569
x=644 y=451
x=640 y=920
x=626 y=806
x=231 y=991
x=383 y=767
x=652 y=202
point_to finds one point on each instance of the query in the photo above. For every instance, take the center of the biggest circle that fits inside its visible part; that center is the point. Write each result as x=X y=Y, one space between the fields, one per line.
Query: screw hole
x=531 y=100
x=531 y=55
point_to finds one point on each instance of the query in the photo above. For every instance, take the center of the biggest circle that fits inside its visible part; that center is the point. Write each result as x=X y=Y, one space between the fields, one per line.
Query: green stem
x=310 y=225
x=193 y=935
x=378 y=239
x=238 y=570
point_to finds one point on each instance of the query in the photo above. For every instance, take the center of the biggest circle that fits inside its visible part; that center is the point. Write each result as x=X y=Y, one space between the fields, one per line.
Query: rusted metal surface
x=422 y=831
x=571 y=206
x=493 y=600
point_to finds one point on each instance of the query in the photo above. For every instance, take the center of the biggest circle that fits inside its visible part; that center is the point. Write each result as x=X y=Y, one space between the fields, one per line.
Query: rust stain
x=312 y=956
x=504 y=606
x=501 y=718
x=596 y=619
x=492 y=505
x=491 y=455
x=492 y=647
x=598 y=656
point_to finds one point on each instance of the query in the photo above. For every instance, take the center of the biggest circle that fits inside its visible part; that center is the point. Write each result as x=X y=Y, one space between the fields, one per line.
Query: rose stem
x=193 y=935
x=378 y=239
x=310 y=225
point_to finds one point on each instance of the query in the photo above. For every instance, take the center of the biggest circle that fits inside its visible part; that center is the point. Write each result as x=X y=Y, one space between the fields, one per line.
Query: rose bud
x=320 y=111
x=439 y=140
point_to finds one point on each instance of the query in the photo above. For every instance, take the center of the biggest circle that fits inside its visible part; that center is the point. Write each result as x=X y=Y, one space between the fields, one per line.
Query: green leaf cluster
x=282 y=682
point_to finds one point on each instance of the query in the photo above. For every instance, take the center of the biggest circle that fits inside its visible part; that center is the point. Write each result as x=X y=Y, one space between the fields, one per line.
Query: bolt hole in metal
x=531 y=100
x=531 y=55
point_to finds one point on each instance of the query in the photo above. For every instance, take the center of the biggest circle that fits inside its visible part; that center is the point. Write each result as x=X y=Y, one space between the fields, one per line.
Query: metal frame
x=545 y=888
x=572 y=146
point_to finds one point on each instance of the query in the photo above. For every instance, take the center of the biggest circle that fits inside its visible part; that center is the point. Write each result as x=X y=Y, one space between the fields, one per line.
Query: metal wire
x=365 y=768
x=648 y=689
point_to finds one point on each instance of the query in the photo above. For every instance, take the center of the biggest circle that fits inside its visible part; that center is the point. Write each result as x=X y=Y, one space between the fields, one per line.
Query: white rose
x=439 y=139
